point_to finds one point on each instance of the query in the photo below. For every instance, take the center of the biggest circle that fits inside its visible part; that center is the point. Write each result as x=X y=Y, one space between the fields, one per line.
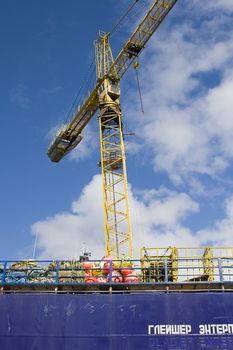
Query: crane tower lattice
x=106 y=97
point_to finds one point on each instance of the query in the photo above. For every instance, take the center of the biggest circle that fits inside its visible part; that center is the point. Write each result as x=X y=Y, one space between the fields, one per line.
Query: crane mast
x=106 y=97
x=117 y=229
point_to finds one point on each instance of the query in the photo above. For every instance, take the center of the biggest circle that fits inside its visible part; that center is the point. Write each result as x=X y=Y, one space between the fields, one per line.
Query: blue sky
x=180 y=159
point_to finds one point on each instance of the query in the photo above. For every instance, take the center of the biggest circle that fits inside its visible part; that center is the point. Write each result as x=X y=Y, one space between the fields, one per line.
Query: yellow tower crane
x=105 y=97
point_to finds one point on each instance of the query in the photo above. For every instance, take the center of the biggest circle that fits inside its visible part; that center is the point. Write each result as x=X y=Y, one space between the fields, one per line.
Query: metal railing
x=186 y=252
x=112 y=272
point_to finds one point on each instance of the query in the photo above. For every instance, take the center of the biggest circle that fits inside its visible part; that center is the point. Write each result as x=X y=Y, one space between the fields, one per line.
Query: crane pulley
x=105 y=97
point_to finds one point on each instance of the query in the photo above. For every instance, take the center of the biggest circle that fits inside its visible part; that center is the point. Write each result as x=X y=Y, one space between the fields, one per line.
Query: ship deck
x=118 y=287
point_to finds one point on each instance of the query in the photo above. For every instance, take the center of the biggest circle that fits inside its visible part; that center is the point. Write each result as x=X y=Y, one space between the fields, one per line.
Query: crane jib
x=70 y=135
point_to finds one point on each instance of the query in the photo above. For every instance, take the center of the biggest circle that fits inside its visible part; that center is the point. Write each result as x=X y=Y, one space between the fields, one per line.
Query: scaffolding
x=173 y=264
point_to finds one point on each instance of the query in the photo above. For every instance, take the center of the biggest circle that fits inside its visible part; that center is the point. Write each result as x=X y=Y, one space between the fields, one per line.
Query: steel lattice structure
x=106 y=97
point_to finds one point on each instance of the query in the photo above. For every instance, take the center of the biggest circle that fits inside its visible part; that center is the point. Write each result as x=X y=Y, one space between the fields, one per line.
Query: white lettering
x=181 y=329
x=224 y=328
x=201 y=329
x=206 y=329
x=169 y=329
x=156 y=330
x=150 y=326
x=219 y=328
x=162 y=329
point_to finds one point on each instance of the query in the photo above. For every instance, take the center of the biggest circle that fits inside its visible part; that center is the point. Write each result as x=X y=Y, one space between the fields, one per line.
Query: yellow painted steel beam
x=70 y=134
x=117 y=228
x=106 y=97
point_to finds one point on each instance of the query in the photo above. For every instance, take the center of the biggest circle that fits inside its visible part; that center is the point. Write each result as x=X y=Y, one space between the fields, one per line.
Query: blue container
x=140 y=321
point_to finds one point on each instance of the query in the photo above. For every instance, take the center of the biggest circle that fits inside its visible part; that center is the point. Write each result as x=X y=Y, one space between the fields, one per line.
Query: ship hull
x=171 y=321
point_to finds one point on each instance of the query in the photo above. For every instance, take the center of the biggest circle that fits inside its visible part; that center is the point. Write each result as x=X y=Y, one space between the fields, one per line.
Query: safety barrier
x=112 y=272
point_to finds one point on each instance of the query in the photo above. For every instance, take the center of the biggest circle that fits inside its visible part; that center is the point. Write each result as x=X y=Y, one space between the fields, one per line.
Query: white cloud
x=156 y=217
x=187 y=129
x=218 y=106
x=132 y=147
x=20 y=96
x=65 y=234
x=222 y=5
x=221 y=232
x=182 y=127
x=89 y=143
x=188 y=119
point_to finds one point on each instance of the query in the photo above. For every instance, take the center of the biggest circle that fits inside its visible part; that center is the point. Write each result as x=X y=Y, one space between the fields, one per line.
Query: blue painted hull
x=142 y=321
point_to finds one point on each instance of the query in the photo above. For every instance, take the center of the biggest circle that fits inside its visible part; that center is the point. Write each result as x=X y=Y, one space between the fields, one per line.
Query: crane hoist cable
x=85 y=85
x=122 y=18
x=88 y=77
x=136 y=66
x=105 y=97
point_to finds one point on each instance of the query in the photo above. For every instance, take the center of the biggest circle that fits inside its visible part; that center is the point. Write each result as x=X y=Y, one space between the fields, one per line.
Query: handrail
x=112 y=272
